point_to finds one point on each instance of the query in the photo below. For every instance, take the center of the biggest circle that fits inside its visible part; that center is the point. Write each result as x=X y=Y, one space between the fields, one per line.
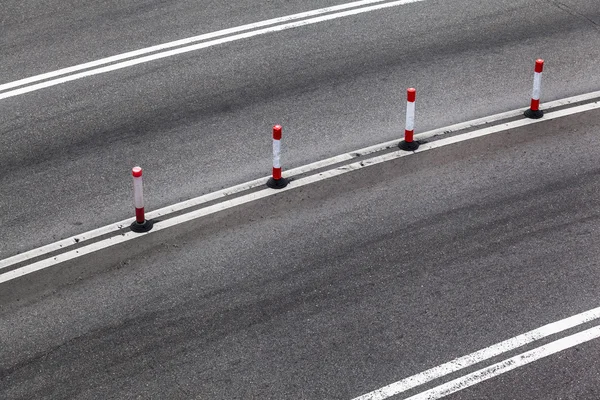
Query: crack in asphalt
x=569 y=10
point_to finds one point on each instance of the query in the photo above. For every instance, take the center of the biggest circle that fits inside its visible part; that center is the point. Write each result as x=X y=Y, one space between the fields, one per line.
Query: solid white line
x=509 y=125
x=269 y=192
x=198 y=46
x=192 y=215
x=571 y=100
x=181 y=42
x=508 y=365
x=114 y=227
x=481 y=355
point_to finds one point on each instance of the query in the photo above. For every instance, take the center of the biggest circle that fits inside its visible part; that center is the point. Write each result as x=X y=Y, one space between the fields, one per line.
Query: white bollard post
x=140 y=224
x=534 y=109
x=409 y=143
x=276 y=181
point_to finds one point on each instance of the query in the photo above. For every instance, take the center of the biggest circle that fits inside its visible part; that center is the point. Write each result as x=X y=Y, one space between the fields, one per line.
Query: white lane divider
x=115 y=227
x=182 y=42
x=160 y=225
x=477 y=357
x=508 y=365
x=133 y=57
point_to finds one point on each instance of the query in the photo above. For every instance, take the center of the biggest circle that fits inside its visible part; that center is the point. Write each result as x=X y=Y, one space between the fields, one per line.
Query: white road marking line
x=181 y=42
x=506 y=126
x=114 y=227
x=571 y=100
x=508 y=365
x=481 y=355
x=158 y=226
x=198 y=46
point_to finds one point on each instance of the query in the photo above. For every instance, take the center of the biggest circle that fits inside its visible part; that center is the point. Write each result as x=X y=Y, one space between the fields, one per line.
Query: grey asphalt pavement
x=201 y=121
x=335 y=289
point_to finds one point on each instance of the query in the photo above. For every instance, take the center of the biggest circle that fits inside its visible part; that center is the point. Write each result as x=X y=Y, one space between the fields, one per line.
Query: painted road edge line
x=481 y=355
x=508 y=125
x=160 y=225
x=181 y=42
x=117 y=226
x=508 y=365
x=198 y=46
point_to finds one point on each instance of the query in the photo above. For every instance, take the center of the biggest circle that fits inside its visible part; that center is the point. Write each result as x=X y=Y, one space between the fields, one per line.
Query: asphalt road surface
x=201 y=121
x=328 y=291
x=335 y=289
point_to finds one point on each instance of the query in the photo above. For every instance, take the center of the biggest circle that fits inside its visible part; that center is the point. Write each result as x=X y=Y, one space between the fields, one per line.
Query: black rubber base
x=145 y=227
x=408 y=146
x=277 y=183
x=529 y=113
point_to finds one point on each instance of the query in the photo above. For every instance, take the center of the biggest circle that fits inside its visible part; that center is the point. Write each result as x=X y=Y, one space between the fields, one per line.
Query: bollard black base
x=529 y=113
x=141 y=228
x=277 y=183
x=408 y=146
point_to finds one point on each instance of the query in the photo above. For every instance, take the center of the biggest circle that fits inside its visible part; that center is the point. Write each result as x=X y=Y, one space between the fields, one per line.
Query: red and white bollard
x=409 y=143
x=534 y=110
x=276 y=181
x=141 y=224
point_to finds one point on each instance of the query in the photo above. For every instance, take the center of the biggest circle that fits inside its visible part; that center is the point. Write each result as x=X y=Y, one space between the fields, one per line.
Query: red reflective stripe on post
x=539 y=65
x=139 y=215
x=411 y=94
x=277 y=132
